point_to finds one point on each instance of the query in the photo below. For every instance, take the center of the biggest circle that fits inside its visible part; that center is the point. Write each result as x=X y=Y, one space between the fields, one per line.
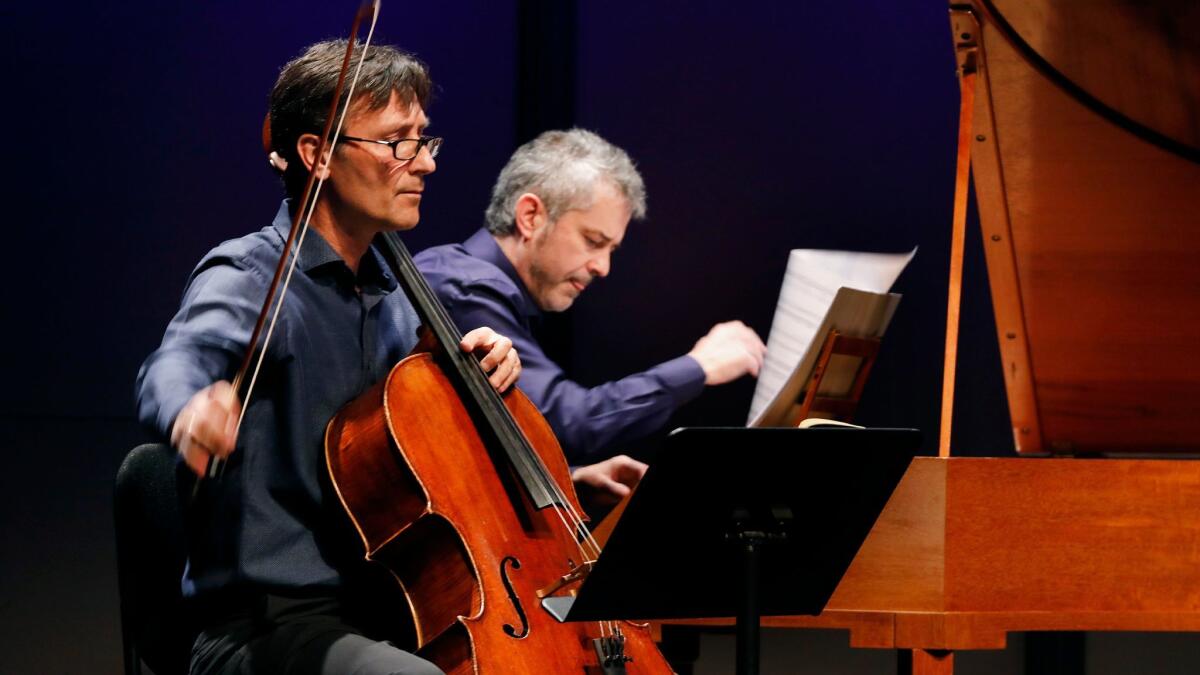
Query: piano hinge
x=966 y=37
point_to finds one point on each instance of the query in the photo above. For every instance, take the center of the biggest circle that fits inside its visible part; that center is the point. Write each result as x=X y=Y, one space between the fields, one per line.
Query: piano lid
x=1086 y=164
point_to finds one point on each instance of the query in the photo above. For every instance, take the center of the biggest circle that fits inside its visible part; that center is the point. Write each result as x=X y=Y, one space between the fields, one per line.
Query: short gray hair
x=562 y=168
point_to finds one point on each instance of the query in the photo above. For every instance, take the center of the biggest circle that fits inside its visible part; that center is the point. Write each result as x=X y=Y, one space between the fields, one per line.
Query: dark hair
x=302 y=94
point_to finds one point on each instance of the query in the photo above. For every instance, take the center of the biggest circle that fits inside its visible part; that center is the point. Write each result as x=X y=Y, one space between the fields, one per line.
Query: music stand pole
x=752 y=536
x=748 y=624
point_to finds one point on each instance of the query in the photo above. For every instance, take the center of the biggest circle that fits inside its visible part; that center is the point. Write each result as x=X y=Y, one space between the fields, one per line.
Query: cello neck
x=478 y=393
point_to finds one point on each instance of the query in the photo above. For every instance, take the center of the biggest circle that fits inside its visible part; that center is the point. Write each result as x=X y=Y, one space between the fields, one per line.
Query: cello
x=459 y=492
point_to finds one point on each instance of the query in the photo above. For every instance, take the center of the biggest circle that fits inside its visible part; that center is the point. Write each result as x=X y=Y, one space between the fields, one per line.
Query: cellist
x=271 y=563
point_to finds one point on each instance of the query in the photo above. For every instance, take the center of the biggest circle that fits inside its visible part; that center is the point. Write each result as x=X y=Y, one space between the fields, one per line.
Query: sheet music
x=809 y=288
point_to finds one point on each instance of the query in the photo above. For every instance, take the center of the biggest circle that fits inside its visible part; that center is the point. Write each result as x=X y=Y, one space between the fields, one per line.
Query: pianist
x=558 y=211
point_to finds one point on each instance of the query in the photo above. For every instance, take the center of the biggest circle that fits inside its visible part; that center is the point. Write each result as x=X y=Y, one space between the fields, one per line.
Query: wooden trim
x=992 y=204
x=837 y=407
x=964 y=28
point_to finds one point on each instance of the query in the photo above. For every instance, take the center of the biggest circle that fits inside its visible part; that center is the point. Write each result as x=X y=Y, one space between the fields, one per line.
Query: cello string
x=559 y=510
x=606 y=629
x=565 y=511
x=577 y=523
x=571 y=519
x=308 y=208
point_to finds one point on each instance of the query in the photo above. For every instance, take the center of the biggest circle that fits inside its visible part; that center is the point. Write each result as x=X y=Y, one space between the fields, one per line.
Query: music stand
x=743 y=522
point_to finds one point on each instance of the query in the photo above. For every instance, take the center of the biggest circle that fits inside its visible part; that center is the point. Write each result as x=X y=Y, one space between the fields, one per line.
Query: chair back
x=148 y=515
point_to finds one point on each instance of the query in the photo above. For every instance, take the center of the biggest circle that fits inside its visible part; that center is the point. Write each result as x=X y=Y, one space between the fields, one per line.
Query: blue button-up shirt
x=479 y=287
x=271 y=522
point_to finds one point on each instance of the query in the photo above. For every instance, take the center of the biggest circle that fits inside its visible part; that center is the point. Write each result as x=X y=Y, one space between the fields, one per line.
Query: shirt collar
x=316 y=253
x=483 y=245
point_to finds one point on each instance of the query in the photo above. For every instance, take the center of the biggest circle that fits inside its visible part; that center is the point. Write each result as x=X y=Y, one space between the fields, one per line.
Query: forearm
x=168 y=380
x=593 y=422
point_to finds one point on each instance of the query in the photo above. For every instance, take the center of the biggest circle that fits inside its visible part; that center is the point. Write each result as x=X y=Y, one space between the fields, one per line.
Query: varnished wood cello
x=466 y=497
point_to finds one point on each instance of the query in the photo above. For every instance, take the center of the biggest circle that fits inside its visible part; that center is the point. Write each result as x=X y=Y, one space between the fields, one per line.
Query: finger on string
x=510 y=379
x=500 y=377
x=514 y=369
x=496 y=379
x=498 y=353
x=513 y=376
x=473 y=339
x=490 y=363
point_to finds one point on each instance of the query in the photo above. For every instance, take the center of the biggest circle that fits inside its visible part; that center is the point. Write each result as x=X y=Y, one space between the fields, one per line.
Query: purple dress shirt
x=479 y=287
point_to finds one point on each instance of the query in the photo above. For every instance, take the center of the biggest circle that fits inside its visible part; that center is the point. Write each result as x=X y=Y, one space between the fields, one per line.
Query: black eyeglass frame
x=434 y=143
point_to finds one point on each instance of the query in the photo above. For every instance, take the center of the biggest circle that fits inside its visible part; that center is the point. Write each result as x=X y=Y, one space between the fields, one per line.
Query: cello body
x=436 y=505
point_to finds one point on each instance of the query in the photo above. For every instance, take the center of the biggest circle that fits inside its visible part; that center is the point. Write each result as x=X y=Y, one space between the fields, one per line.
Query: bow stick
x=247 y=373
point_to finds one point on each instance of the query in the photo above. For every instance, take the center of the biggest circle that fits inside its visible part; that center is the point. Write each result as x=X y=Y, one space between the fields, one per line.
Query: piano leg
x=925 y=662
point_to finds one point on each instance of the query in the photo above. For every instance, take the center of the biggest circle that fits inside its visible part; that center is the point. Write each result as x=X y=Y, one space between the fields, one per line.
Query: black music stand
x=743 y=522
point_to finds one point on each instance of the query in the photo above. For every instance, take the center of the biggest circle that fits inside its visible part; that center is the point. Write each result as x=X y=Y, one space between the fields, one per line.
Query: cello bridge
x=571 y=577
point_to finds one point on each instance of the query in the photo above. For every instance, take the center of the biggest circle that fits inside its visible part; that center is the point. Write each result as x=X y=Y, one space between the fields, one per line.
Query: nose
x=423 y=164
x=599 y=265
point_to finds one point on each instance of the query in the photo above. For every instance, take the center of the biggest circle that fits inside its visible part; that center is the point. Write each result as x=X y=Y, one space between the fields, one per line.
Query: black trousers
x=289 y=636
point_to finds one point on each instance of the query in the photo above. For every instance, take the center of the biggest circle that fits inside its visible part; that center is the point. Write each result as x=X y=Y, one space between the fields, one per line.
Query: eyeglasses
x=405 y=149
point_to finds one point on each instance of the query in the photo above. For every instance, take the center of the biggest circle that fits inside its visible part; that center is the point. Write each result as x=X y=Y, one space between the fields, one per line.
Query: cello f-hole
x=511 y=632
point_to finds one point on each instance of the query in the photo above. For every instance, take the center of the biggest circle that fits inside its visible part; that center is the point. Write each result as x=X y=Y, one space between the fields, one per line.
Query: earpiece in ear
x=278 y=163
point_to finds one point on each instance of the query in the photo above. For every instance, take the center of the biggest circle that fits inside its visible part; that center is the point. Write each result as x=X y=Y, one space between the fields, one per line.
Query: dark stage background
x=759 y=128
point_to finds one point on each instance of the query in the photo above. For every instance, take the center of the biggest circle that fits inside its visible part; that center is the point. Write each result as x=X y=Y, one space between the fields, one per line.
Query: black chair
x=148 y=514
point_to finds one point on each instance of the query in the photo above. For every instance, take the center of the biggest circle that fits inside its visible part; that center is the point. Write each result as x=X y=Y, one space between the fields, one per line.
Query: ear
x=529 y=215
x=306 y=148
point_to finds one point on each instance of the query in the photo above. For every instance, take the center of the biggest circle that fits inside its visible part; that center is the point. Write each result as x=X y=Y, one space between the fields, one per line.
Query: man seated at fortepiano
x=558 y=212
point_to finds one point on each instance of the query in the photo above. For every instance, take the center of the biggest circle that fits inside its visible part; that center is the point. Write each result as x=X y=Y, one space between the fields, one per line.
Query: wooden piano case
x=1085 y=151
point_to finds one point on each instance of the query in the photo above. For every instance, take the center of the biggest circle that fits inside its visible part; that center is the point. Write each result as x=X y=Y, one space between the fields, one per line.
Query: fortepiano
x=1082 y=126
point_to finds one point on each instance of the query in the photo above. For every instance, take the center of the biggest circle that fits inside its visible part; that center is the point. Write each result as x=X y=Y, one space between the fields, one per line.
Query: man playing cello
x=272 y=562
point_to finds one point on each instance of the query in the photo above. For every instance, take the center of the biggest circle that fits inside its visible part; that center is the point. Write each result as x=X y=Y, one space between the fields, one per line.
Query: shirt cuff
x=682 y=377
